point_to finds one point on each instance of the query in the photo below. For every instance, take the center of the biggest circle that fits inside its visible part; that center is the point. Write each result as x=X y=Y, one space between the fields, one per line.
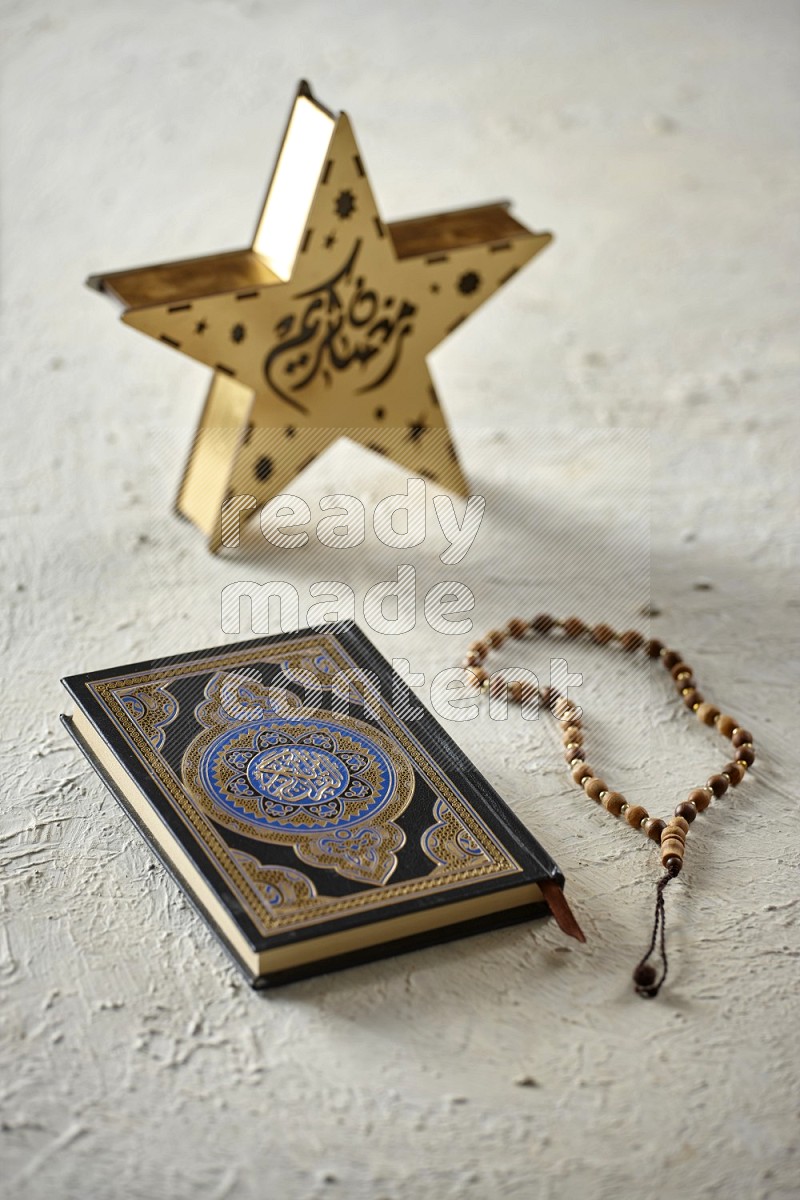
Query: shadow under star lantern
x=321 y=327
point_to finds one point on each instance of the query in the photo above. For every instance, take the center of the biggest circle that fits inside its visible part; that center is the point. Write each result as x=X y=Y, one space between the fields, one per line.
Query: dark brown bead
x=700 y=798
x=549 y=697
x=654 y=648
x=670 y=659
x=707 y=713
x=515 y=691
x=681 y=668
x=571 y=755
x=581 y=772
x=495 y=638
x=655 y=827
x=644 y=976
x=602 y=634
x=631 y=639
x=734 y=772
x=687 y=810
x=543 y=623
x=742 y=737
x=692 y=697
x=517 y=628
x=745 y=754
x=593 y=788
x=718 y=785
x=726 y=725
x=685 y=682
x=673 y=864
x=574 y=627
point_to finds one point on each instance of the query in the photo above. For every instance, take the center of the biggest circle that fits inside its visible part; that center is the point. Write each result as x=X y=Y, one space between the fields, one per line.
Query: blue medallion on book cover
x=309 y=810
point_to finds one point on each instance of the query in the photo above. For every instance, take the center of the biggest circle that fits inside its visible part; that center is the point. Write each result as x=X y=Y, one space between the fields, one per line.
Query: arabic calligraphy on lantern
x=339 y=325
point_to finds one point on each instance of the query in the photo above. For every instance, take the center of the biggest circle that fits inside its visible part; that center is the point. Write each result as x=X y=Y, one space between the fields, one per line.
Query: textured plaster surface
x=628 y=409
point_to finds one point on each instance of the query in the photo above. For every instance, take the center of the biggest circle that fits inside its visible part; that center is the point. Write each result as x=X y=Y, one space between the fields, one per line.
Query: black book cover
x=301 y=794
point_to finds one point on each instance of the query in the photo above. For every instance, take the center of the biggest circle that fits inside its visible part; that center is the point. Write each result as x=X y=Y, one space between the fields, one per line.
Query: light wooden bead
x=581 y=772
x=707 y=713
x=478 y=677
x=613 y=802
x=593 y=788
x=572 y=733
x=635 y=815
x=479 y=648
x=726 y=725
x=678 y=822
x=673 y=842
x=700 y=798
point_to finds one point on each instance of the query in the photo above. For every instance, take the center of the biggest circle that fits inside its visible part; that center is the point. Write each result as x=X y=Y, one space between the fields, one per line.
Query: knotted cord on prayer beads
x=669 y=834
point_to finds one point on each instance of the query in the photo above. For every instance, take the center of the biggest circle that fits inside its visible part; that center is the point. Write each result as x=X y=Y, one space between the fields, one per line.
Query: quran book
x=313 y=811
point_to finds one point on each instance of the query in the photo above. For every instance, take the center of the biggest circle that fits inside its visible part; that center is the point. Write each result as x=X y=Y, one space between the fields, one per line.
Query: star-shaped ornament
x=321 y=327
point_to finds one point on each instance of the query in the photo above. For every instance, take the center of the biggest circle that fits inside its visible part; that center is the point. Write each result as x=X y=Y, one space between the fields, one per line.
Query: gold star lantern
x=321 y=327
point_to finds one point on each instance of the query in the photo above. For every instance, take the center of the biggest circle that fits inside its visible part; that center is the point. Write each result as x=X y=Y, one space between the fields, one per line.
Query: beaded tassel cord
x=670 y=834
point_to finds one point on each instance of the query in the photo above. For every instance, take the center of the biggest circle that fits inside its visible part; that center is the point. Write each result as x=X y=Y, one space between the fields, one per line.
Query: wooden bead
x=654 y=648
x=517 y=628
x=572 y=733
x=718 y=785
x=631 y=639
x=672 y=850
x=687 y=810
x=726 y=725
x=564 y=708
x=672 y=863
x=593 y=788
x=700 y=798
x=613 y=802
x=678 y=822
x=707 y=713
x=573 y=754
x=654 y=828
x=498 y=687
x=479 y=648
x=745 y=754
x=477 y=677
x=549 y=697
x=742 y=737
x=581 y=772
x=528 y=692
x=681 y=669
x=602 y=634
x=573 y=627
x=469 y=660
x=495 y=638
x=692 y=698
x=670 y=658
x=734 y=772
x=635 y=815
x=515 y=691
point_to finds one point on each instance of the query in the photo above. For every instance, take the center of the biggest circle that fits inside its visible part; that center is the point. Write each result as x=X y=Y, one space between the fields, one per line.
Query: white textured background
x=628 y=408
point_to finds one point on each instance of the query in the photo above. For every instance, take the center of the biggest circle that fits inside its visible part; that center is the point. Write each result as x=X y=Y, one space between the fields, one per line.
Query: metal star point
x=321 y=331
